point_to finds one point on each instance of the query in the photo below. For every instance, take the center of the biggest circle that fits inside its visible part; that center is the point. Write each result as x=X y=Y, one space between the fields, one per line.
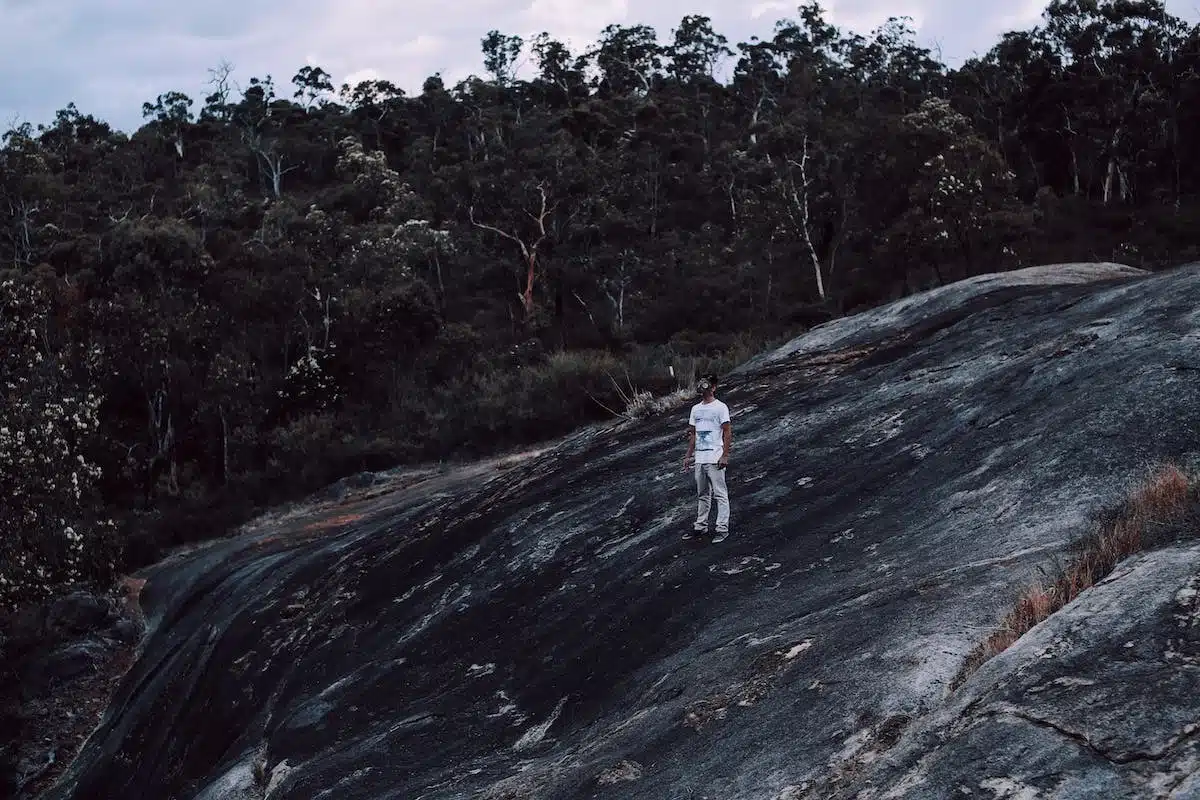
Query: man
x=710 y=436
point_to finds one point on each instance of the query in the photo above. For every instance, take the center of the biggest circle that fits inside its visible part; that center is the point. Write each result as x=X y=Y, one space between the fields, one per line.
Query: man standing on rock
x=710 y=435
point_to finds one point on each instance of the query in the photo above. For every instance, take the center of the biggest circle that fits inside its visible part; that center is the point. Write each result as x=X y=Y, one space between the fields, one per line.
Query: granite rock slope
x=1098 y=701
x=539 y=629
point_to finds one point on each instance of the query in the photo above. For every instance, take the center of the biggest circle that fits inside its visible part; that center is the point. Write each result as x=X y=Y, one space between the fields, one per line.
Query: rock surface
x=1101 y=700
x=540 y=630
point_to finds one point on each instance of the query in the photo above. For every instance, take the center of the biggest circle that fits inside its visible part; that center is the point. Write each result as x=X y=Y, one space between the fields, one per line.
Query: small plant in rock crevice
x=1153 y=509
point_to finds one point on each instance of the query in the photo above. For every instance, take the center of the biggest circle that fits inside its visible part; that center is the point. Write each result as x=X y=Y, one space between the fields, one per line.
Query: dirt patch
x=624 y=772
x=765 y=672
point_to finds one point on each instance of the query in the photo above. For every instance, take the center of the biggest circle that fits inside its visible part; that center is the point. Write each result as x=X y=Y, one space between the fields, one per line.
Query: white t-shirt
x=708 y=418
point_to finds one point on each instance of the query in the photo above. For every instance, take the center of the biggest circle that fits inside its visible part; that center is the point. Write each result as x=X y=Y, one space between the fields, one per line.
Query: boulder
x=80 y=612
x=69 y=661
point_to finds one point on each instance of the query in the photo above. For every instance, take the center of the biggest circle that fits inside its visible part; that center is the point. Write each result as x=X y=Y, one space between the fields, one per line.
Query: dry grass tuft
x=640 y=403
x=1163 y=498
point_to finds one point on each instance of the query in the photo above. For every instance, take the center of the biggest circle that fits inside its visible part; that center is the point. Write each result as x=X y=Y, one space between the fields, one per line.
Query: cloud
x=573 y=20
x=109 y=58
x=769 y=7
x=863 y=16
x=368 y=74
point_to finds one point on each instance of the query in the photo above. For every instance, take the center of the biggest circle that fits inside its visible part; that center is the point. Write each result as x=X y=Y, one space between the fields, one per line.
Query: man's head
x=707 y=385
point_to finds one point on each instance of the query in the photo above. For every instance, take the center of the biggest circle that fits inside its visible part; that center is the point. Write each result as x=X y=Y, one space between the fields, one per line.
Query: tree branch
x=493 y=229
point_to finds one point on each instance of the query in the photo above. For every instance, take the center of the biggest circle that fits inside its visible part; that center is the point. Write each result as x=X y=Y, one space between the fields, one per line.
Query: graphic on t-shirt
x=707 y=418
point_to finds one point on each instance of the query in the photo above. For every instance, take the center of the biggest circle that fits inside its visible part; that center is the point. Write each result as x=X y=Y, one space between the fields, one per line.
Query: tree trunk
x=23 y=245
x=1175 y=157
x=654 y=206
x=224 y=445
x=1110 y=174
x=1074 y=155
x=617 y=299
x=1034 y=167
x=1075 y=170
x=838 y=236
x=161 y=426
x=527 y=295
x=528 y=251
x=805 y=222
x=754 y=117
x=437 y=266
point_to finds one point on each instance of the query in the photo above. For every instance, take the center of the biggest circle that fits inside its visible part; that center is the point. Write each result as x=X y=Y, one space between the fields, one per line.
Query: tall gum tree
x=1108 y=49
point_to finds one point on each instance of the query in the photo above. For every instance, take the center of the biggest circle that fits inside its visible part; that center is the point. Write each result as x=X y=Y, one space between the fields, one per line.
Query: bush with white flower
x=962 y=195
x=394 y=238
x=309 y=384
x=965 y=179
x=50 y=537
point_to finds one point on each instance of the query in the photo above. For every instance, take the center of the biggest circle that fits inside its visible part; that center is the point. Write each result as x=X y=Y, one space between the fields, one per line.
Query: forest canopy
x=279 y=284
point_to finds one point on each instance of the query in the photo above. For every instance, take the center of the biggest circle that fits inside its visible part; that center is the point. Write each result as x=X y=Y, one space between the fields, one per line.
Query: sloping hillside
x=541 y=630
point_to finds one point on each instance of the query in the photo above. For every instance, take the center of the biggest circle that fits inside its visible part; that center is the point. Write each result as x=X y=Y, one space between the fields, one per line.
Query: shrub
x=1164 y=498
x=566 y=390
x=659 y=380
x=49 y=538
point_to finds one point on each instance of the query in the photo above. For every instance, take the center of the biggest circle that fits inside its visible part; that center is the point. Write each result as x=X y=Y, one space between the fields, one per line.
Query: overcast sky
x=110 y=56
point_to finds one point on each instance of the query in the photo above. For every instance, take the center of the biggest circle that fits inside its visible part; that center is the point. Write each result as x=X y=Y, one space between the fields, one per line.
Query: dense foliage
x=254 y=295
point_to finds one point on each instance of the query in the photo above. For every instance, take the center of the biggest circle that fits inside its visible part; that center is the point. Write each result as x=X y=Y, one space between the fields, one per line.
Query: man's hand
x=723 y=462
x=688 y=463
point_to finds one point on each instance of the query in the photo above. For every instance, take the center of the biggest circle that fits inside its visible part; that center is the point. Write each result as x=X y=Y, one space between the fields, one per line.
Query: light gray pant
x=710 y=485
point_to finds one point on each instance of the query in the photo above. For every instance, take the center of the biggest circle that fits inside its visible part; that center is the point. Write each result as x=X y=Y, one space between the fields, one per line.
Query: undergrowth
x=1144 y=521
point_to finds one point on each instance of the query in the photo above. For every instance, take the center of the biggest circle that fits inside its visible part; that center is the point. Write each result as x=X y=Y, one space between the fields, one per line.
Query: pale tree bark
x=1110 y=174
x=271 y=162
x=800 y=211
x=22 y=229
x=1075 y=181
x=161 y=430
x=224 y=444
x=436 y=260
x=642 y=79
x=754 y=118
x=616 y=289
x=764 y=98
x=1115 y=171
x=529 y=249
x=653 y=191
x=219 y=78
x=326 y=324
x=586 y=309
x=23 y=214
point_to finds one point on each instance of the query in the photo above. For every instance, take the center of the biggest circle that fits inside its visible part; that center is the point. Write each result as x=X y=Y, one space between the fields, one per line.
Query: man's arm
x=726 y=442
x=687 y=460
